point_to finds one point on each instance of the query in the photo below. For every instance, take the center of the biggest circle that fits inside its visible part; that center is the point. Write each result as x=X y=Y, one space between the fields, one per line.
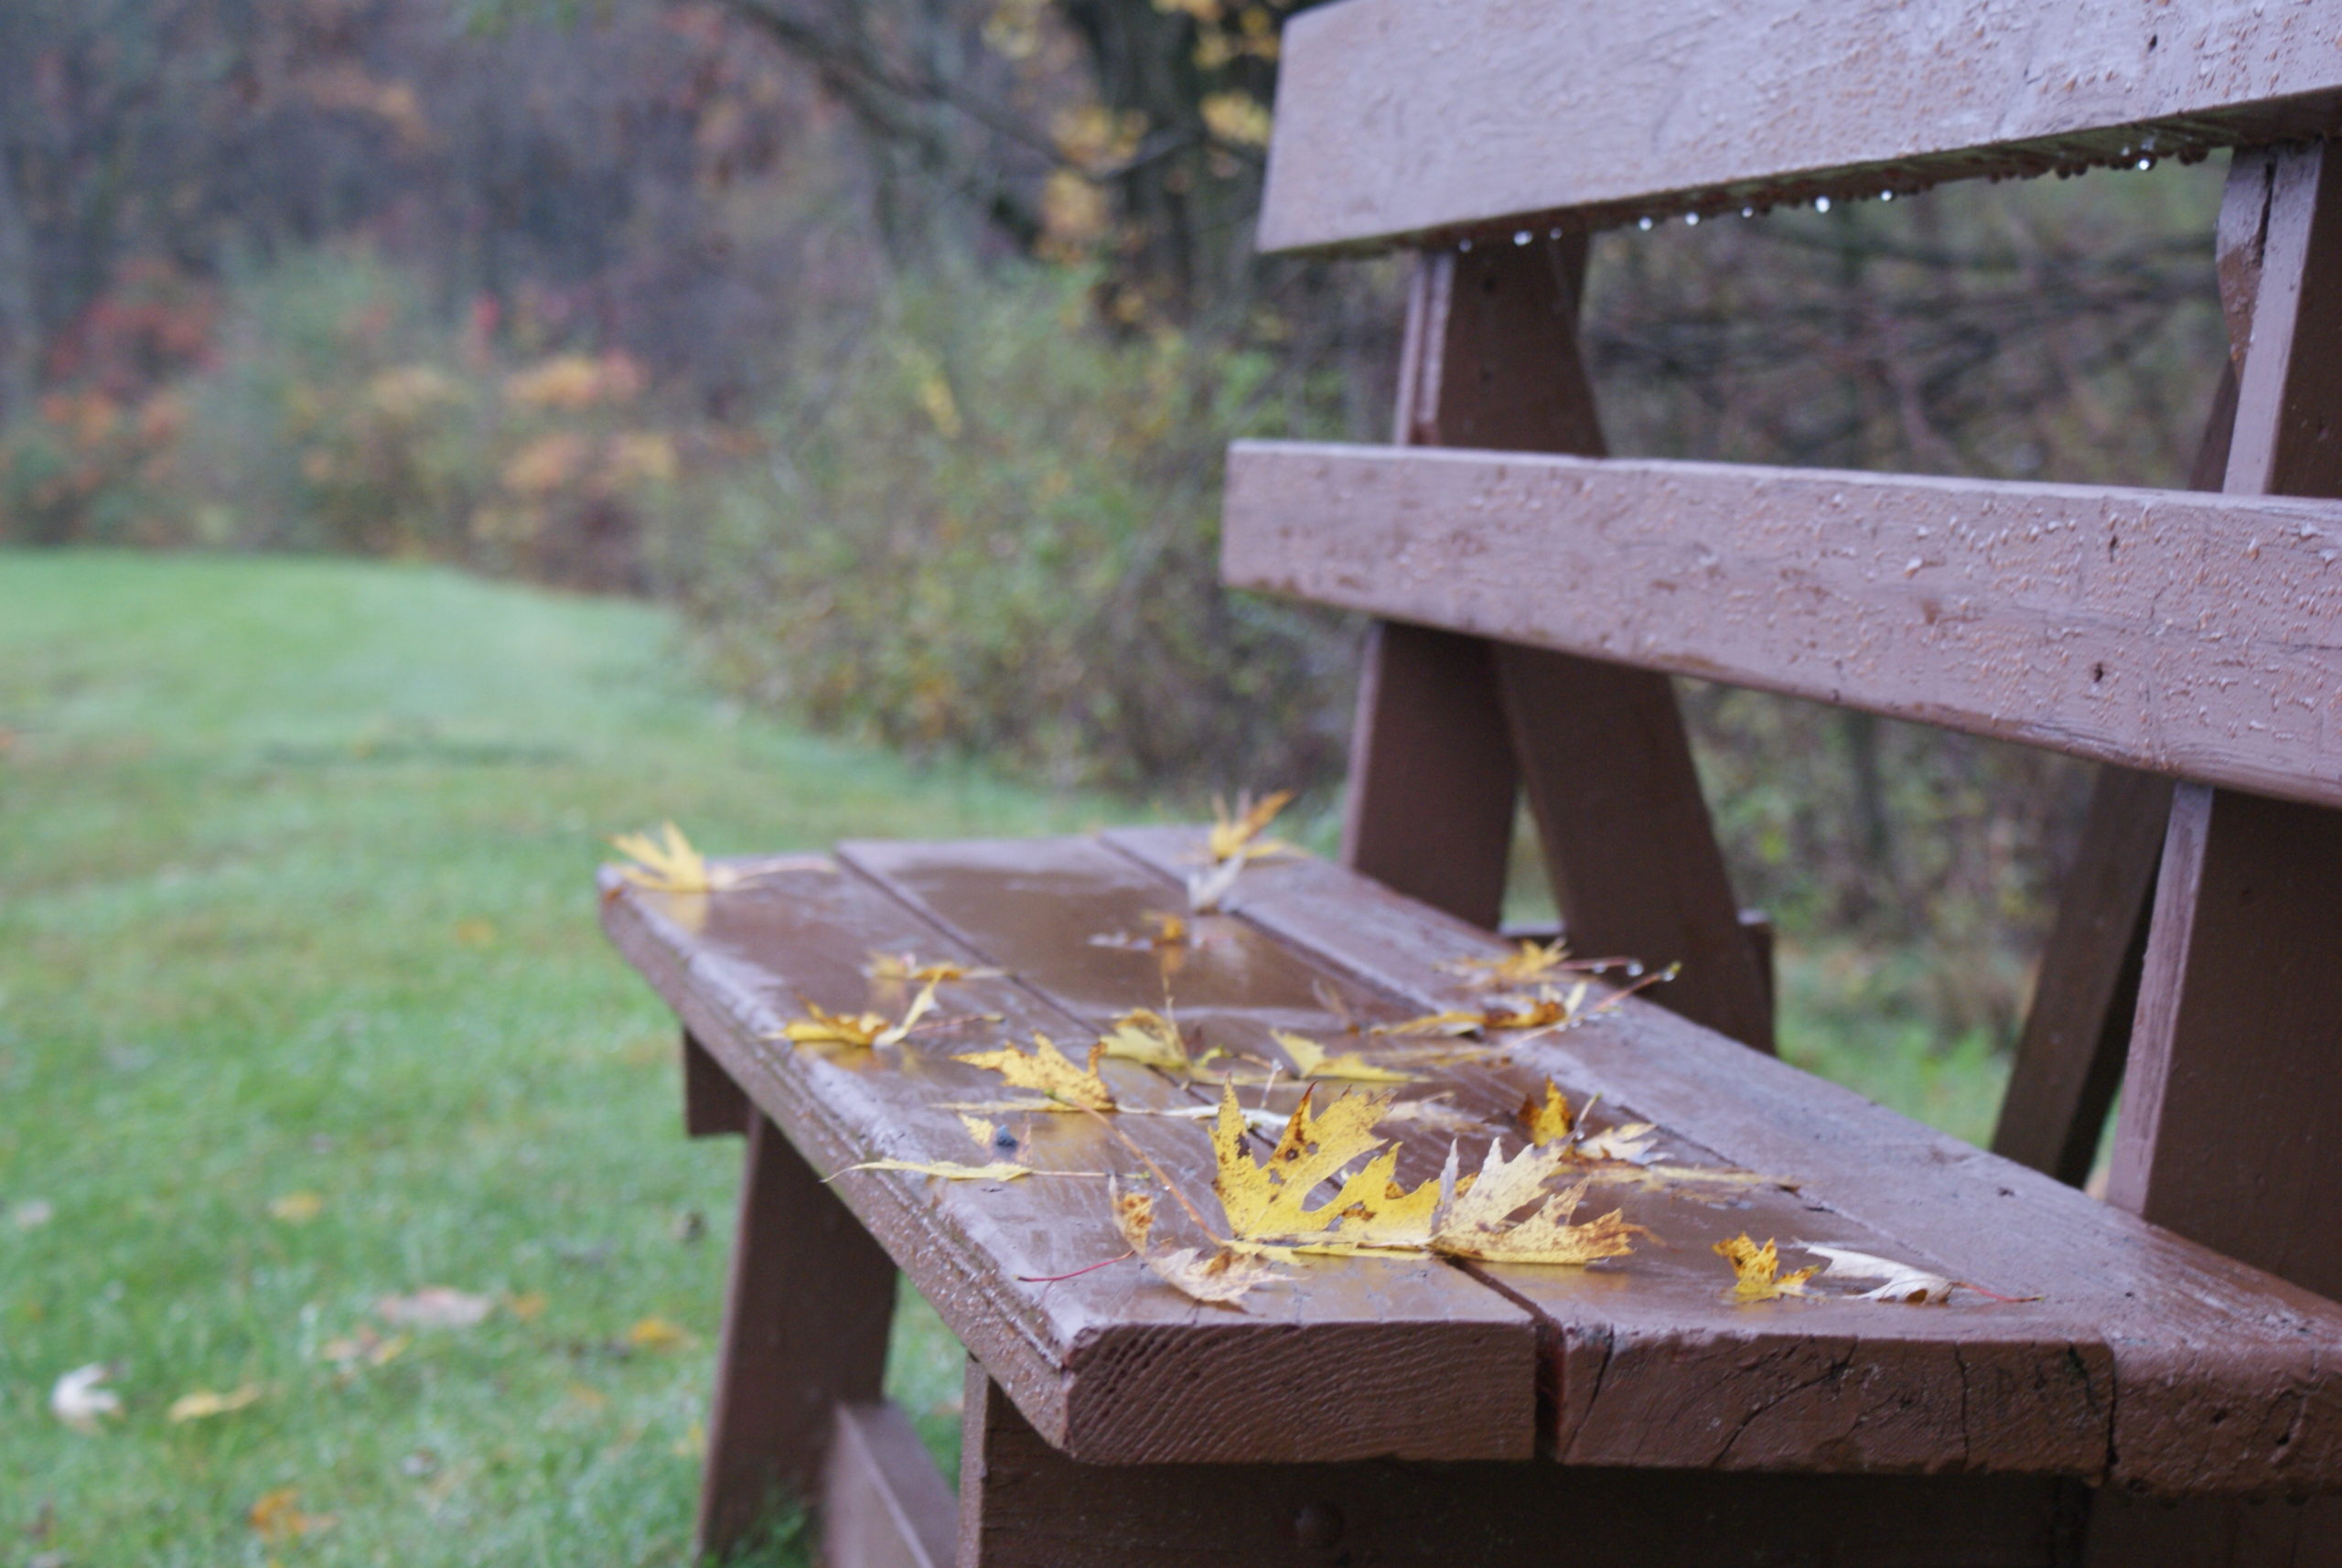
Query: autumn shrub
x=991 y=527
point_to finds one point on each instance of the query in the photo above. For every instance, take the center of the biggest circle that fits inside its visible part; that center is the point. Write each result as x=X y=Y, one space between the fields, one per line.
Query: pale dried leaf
x=1221 y=1278
x=1312 y=1060
x=434 y=1307
x=1474 y=1220
x=203 y=1403
x=1208 y=887
x=1905 y=1282
x=78 y=1402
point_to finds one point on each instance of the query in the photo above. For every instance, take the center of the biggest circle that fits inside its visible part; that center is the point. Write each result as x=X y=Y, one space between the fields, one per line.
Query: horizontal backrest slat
x=2172 y=631
x=1399 y=119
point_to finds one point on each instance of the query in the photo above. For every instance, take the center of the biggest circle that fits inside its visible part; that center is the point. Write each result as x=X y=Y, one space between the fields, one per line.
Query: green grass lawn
x=295 y=904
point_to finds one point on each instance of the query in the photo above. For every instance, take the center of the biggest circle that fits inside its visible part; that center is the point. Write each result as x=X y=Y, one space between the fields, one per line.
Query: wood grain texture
x=714 y=1106
x=2048 y=614
x=884 y=1503
x=789 y=1354
x=1415 y=119
x=2078 y=1032
x=2192 y=1372
x=1404 y=1358
x=1025 y=1506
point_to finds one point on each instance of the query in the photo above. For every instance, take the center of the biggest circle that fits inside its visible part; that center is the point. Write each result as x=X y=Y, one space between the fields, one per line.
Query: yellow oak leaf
x=1236 y=835
x=1148 y=1038
x=1551 y=1122
x=1758 y=1270
x=1270 y=1204
x=1221 y=1278
x=1311 y=1060
x=203 y=1403
x=1046 y=1068
x=1474 y=1221
x=908 y=969
x=668 y=863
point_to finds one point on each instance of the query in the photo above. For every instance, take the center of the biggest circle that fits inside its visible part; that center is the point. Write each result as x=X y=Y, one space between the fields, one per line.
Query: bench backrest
x=1533 y=597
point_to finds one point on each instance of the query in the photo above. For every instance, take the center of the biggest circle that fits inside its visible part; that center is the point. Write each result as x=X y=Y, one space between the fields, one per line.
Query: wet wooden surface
x=1419 y=119
x=2027 y=612
x=1646 y=1362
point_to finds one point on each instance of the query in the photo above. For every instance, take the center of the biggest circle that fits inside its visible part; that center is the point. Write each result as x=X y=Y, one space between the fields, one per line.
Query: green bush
x=995 y=531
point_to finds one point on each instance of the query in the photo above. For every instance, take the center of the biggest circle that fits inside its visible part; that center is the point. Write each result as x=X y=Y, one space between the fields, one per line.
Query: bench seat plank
x=2189 y=1371
x=1411 y=119
x=2030 y=612
x=1400 y=1358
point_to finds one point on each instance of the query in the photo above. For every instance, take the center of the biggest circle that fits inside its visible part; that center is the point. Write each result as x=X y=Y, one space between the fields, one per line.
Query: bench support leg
x=1024 y=1505
x=805 y=1322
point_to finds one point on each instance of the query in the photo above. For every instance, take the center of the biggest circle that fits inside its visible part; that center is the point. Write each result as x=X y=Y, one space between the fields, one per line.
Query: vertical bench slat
x=884 y=1504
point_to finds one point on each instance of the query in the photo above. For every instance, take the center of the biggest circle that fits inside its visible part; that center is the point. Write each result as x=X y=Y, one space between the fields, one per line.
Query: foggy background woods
x=896 y=341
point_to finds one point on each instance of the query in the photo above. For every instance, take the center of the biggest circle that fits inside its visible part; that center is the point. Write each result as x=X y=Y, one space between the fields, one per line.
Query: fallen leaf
x=1758 y=1270
x=297 y=1208
x=1047 y=1069
x=364 y=1346
x=656 y=1334
x=668 y=863
x=31 y=1213
x=1434 y=1115
x=907 y=968
x=1898 y=1281
x=1628 y=1142
x=1527 y=964
x=1549 y=1009
x=434 y=1307
x=1270 y=1203
x=1210 y=885
x=1551 y=1122
x=1237 y=837
x=1472 y=1222
x=858 y=1031
x=528 y=1306
x=1002 y=1170
x=984 y=1131
x=1311 y=1060
x=203 y=1403
x=1221 y=1278
x=78 y=1402
x=277 y=1516
x=1147 y=1038
x=475 y=933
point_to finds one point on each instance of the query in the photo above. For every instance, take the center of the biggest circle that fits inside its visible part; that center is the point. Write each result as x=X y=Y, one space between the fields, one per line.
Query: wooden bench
x=2163 y=1385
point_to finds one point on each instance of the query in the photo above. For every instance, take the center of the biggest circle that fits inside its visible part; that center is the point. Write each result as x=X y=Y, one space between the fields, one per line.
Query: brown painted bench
x=2164 y=1385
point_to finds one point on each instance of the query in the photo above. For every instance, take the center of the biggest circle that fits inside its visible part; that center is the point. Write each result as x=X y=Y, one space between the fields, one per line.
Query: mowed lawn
x=302 y=1008
x=296 y=914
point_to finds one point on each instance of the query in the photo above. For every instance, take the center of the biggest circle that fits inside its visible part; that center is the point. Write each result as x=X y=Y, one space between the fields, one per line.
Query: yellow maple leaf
x=983 y=1130
x=668 y=863
x=1147 y=1038
x=1551 y=1122
x=1311 y=1060
x=1046 y=1068
x=908 y=969
x=1236 y=835
x=1547 y=1010
x=1758 y=1270
x=1474 y=1220
x=1270 y=1203
x=1221 y=1278
x=856 y=1031
x=1527 y=963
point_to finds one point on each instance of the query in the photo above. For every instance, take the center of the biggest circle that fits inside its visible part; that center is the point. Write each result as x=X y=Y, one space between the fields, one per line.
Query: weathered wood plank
x=1391 y=1360
x=1025 y=1506
x=789 y=1354
x=2037 y=613
x=884 y=1503
x=2188 y=1334
x=1409 y=119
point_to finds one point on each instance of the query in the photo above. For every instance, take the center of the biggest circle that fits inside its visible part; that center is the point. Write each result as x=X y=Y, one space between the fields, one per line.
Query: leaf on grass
x=528 y=1306
x=1474 y=1220
x=856 y=1031
x=668 y=863
x=1221 y=1278
x=31 y=1213
x=1527 y=963
x=1758 y=1270
x=297 y=1208
x=277 y=1517
x=1905 y=1282
x=434 y=1307
x=78 y=1401
x=1551 y=1122
x=656 y=1334
x=1270 y=1203
x=1236 y=835
x=907 y=968
x=1000 y=1170
x=203 y=1403
x=1311 y=1060
x=364 y=1346
x=1047 y=1069
x=1147 y=1038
